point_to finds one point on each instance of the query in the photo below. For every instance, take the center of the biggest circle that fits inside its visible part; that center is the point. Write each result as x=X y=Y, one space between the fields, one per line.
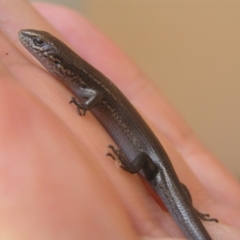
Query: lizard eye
x=57 y=63
x=38 y=42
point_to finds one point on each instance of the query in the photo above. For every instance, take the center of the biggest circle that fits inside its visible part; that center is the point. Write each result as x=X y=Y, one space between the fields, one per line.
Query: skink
x=139 y=149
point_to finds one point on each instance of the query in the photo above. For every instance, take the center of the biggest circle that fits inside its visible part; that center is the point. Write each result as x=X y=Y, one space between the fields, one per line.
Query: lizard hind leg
x=118 y=155
x=203 y=216
x=141 y=162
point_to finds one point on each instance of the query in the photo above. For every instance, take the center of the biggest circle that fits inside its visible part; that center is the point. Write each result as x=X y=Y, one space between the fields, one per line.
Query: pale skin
x=55 y=180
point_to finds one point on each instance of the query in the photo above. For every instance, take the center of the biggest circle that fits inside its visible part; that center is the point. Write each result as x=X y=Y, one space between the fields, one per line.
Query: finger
x=202 y=152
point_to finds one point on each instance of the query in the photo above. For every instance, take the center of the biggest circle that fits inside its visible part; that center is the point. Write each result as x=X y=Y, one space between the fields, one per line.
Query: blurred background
x=191 y=50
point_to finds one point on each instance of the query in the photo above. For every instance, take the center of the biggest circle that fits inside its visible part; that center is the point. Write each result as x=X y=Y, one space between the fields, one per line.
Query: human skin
x=55 y=180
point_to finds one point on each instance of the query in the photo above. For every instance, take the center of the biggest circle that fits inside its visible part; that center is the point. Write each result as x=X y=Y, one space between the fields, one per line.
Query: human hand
x=56 y=181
